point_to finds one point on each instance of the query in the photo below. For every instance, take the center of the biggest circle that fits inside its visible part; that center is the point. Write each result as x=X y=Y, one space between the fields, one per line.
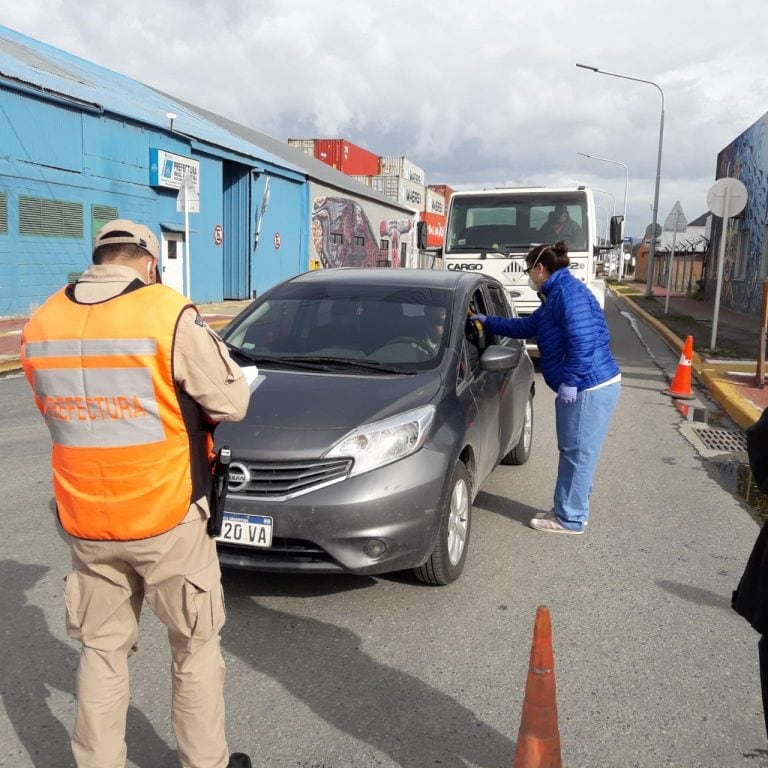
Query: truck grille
x=281 y=480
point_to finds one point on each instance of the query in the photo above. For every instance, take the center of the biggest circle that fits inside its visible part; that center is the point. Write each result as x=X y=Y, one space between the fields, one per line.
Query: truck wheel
x=446 y=562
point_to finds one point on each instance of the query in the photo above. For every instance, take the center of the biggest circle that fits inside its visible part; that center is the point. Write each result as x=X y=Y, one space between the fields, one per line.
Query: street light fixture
x=626 y=190
x=652 y=247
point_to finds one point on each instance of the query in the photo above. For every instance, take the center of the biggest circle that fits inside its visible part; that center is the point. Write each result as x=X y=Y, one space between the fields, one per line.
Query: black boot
x=239 y=760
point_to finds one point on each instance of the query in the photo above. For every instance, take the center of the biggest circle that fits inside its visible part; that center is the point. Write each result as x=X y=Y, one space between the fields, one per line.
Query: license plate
x=246 y=530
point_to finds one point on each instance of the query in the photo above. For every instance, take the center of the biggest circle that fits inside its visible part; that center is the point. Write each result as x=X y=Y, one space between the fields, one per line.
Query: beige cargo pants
x=178 y=575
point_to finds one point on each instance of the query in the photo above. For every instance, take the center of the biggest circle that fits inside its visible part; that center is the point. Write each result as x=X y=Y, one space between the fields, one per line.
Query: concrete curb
x=724 y=393
x=10 y=365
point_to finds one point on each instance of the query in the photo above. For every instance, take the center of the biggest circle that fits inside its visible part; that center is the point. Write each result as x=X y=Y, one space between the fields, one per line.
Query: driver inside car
x=435 y=326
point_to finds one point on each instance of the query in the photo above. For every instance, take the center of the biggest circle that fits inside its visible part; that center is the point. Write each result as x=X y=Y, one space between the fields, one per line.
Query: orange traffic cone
x=681 y=384
x=538 y=742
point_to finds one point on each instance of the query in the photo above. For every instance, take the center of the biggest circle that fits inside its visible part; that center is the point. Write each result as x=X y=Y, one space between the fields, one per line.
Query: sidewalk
x=217 y=315
x=731 y=383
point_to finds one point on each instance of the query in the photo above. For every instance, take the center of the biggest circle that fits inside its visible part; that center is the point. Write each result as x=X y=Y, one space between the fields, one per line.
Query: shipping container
x=444 y=190
x=347 y=157
x=435 y=202
x=307 y=146
x=401 y=190
x=362 y=178
x=435 y=228
x=403 y=167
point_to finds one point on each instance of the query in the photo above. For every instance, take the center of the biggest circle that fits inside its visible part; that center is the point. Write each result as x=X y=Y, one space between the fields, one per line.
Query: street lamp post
x=652 y=247
x=608 y=214
x=626 y=191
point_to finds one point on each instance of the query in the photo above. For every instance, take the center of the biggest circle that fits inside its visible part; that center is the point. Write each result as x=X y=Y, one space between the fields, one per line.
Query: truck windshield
x=499 y=222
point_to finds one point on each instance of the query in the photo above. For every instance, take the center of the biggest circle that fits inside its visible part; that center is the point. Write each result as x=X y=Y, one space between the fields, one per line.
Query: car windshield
x=371 y=329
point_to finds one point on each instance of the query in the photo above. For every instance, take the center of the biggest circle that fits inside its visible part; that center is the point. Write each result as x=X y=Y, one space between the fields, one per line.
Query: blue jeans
x=581 y=430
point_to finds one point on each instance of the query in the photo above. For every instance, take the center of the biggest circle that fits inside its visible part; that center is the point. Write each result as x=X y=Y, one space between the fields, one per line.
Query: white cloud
x=477 y=94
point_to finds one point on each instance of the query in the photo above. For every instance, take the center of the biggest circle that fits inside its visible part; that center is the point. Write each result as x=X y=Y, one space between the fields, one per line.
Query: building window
x=3 y=213
x=100 y=215
x=336 y=238
x=50 y=218
x=359 y=240
x=384 y=244
x=403 y=252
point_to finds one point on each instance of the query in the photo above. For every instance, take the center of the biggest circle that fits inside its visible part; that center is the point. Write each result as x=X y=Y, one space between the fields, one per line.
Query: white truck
x=492 y=230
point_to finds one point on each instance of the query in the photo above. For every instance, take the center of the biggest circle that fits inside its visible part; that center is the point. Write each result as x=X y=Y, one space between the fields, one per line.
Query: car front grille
x=281 y=480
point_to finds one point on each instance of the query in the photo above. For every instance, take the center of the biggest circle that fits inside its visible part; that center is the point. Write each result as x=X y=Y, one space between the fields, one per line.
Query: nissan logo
x=466 y=267
x=239 y=476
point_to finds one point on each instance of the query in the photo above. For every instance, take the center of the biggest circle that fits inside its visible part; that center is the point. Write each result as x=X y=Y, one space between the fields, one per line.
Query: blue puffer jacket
x=570 y=332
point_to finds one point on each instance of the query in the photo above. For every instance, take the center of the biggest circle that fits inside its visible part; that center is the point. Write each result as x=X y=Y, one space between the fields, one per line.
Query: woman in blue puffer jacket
x=576 y=362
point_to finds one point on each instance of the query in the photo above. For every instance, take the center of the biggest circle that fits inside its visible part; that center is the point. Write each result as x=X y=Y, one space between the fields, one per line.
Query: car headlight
x=375 y=445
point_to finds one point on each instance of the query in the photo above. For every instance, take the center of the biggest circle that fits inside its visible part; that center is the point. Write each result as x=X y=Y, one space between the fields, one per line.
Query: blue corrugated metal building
x=80 y=144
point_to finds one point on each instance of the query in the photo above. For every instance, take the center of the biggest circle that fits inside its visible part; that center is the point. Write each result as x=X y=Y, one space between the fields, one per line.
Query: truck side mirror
x=421 y=235
x=617 y=230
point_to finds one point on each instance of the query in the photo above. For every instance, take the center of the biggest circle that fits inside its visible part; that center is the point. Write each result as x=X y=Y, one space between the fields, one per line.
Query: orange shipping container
x=435 y=228
x=347 y=157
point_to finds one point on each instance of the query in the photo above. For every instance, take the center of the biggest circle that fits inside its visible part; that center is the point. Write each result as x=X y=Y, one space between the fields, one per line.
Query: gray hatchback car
x=379 y=410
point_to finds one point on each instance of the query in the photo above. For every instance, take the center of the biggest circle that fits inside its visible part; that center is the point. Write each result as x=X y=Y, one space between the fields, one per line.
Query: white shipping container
x=401 y=166
x=401 y=190
x=435 y=202
x=307 y=146
x=362 y=179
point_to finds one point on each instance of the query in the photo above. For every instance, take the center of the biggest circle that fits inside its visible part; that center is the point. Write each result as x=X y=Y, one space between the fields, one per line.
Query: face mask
x=532 y=285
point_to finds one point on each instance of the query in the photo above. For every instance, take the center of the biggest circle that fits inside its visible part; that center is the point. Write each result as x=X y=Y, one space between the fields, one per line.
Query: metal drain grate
x=721 y=439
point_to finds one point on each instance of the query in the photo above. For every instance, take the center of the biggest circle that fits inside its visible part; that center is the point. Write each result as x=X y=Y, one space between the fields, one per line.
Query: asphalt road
x=652 y=666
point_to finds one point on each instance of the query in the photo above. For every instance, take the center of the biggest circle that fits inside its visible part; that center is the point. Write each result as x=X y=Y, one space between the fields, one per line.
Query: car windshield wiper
x=350 y=362
x=288 y=362
x=304 y=362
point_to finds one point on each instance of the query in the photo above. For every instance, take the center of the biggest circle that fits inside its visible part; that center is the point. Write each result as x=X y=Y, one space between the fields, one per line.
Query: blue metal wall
x=280 y=250
x=52 y=151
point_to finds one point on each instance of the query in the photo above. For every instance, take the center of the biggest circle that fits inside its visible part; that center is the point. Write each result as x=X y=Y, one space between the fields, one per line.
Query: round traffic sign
x=728 y=189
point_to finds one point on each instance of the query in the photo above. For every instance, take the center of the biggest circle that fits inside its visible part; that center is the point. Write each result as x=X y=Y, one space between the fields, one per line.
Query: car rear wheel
x=446 y=562
x=520 y=453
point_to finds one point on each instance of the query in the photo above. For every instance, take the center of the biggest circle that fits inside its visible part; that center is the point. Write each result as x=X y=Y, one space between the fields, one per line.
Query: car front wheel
x=446 y=562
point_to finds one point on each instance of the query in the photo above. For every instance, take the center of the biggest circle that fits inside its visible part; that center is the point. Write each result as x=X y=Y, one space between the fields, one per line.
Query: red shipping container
x=347 y=157
x=435 y=228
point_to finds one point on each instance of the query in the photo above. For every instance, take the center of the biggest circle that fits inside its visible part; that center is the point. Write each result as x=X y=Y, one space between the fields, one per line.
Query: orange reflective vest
x=130 y=449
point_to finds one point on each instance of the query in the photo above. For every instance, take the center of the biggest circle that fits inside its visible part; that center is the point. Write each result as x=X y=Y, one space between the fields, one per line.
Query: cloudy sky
x=478 y=94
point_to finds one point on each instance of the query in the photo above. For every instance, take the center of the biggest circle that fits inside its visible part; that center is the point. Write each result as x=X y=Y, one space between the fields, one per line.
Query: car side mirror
x=498 y=358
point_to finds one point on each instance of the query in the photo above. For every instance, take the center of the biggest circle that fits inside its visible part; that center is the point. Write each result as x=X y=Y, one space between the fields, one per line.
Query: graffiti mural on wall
x=746 y=159
x=342 y=235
